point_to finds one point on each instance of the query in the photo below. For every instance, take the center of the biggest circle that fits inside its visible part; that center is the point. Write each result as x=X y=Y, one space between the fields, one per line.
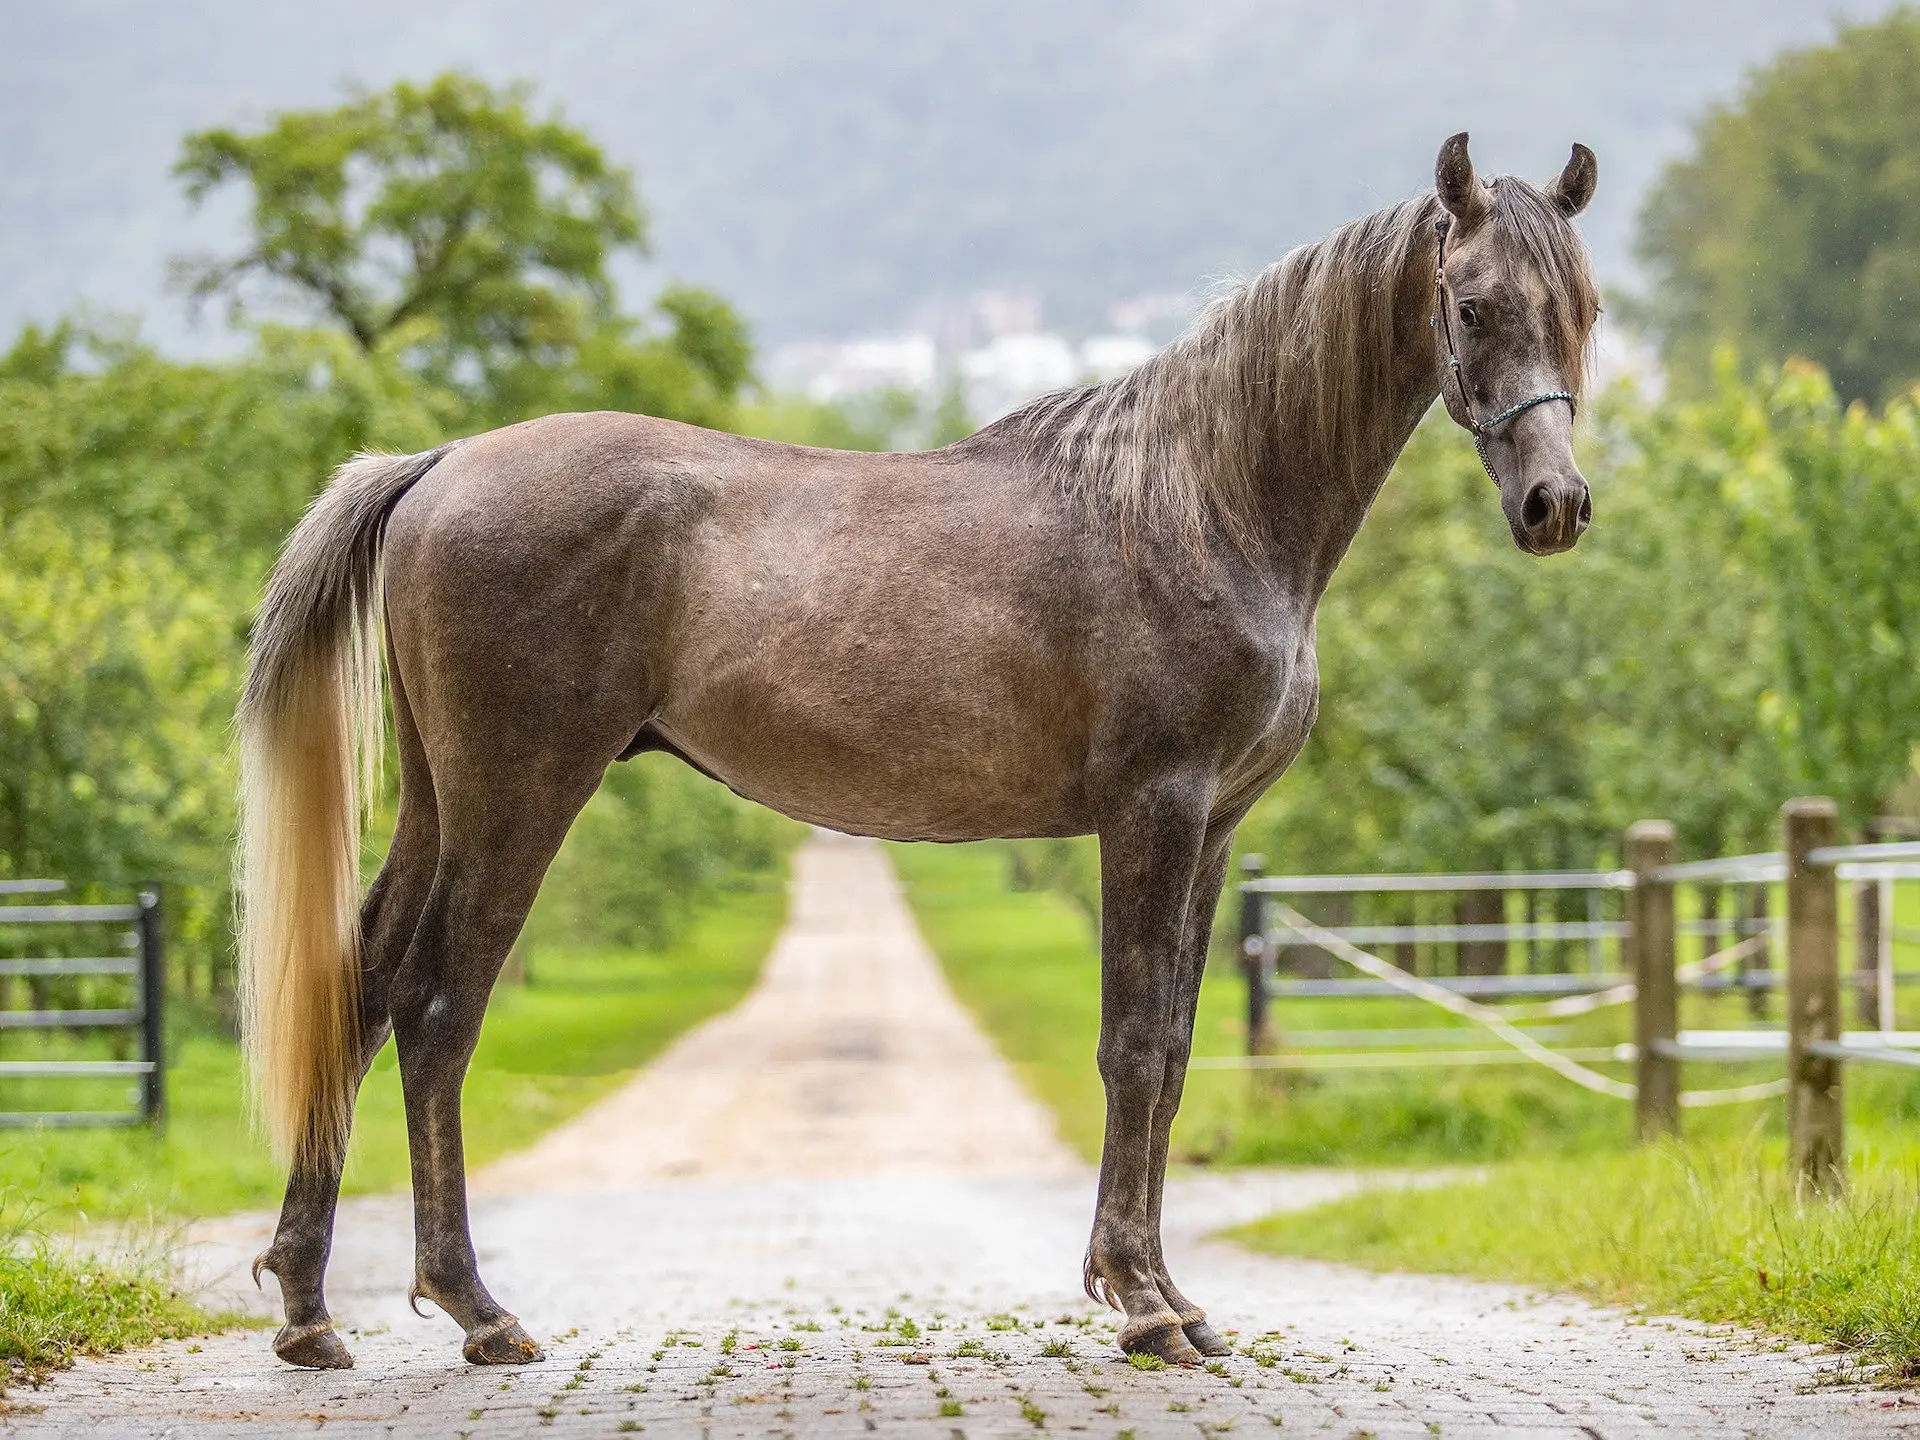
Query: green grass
x=1026 y=964
x=55 y=1306
x=1711 y=1231
x=547 y=1051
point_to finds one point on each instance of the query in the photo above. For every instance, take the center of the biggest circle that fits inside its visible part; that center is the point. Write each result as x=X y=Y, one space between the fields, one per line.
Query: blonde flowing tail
x=311 y=723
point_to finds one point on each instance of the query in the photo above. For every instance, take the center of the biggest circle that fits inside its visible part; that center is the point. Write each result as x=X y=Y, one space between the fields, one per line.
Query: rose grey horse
x=1094 y=616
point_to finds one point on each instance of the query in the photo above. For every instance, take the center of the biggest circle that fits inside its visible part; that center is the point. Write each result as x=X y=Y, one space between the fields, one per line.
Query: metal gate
x=142 y=1010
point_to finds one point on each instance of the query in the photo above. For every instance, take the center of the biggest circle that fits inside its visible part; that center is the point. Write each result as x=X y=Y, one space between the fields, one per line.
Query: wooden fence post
x=1253 y=958
x=1815 y=1119
x=1651 y=844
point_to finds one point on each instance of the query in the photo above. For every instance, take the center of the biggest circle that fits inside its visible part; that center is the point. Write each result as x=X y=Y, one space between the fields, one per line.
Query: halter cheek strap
x=1482 y=430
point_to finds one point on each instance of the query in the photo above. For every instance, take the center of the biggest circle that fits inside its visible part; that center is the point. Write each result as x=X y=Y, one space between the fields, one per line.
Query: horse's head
x=1514 y=307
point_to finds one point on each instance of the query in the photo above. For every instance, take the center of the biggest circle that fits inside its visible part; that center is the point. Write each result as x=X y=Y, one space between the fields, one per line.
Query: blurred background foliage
x=1793 y=228
x=449 y=285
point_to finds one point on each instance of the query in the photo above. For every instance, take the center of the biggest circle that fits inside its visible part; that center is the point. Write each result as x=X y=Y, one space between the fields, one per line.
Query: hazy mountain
x=829 y=163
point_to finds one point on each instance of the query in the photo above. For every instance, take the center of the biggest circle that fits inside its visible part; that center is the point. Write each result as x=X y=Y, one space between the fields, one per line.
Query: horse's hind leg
x=1207 y=882
x=499 y=832
x=304 y=1236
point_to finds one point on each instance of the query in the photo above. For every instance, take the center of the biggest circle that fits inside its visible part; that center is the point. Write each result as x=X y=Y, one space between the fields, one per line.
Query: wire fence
x=1627 y=934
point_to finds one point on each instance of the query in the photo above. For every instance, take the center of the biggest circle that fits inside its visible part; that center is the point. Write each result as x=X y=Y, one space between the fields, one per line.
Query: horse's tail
x=310 y=748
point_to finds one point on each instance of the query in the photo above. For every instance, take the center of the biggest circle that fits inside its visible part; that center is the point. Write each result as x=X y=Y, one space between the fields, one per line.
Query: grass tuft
x=55 y=1306
x=1713 y=1232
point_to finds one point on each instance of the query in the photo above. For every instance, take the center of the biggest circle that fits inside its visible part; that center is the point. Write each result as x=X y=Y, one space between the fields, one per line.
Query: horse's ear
x=1571 y=192
x=1459 y=188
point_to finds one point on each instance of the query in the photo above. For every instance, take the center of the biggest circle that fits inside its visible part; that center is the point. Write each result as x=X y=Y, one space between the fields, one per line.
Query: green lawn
x=547 y=1051
x=1711 y=1230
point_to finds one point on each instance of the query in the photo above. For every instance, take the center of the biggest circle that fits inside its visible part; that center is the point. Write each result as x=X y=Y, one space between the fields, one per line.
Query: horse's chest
x=1278 y=700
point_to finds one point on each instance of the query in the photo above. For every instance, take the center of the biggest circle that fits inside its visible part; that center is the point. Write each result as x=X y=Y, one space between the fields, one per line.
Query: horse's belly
x=912 y=771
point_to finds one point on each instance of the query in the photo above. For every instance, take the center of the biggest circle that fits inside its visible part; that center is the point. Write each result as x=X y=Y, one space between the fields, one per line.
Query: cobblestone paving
x=761 y=1298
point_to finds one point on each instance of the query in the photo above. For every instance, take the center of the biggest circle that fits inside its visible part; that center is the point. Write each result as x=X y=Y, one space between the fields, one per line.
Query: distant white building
x=1108 y=357
x=991 y=343
x=1010 y=370
x=832 y=370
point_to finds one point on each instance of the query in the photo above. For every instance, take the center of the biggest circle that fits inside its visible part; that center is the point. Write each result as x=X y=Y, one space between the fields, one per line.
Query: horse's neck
x=1319 y=501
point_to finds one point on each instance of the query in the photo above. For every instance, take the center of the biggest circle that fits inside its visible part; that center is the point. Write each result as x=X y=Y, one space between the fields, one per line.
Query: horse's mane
x=1301 y=355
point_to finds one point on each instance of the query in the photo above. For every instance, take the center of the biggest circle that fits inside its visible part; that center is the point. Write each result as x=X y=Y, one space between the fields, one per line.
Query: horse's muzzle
x=1554 y=515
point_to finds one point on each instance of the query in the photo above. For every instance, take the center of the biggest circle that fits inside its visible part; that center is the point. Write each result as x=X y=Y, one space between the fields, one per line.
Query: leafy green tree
x=447 y=202
x=1833 y=504
x=449 y=224
x=1794 y=227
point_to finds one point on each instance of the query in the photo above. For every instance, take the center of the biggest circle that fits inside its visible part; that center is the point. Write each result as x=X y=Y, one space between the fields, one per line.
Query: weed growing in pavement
x=1146 y=1362
x=1057 y=1349
x=1032 y=1413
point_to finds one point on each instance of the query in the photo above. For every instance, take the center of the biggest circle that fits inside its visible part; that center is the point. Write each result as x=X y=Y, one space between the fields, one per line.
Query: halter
x=1482 y=433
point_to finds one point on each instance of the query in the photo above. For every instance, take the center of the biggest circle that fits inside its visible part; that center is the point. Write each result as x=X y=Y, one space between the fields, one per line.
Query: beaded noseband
x=1482 y=431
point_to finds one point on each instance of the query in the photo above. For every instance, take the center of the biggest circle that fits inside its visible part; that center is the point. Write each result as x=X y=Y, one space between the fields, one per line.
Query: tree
x=1834 y=515
x=446 y=222
x=1794 y=227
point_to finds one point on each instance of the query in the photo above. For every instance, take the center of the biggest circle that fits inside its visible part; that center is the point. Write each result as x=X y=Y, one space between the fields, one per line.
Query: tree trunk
x=1763 y=960
x=1481 y=907
x=1866 y=942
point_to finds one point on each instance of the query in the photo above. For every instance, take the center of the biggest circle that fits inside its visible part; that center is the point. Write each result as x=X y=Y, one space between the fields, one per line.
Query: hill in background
x=831 y=165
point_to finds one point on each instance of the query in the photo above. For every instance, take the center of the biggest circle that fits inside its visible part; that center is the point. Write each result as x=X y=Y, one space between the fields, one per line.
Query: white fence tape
x=1623 y=994
x=1498 y=1025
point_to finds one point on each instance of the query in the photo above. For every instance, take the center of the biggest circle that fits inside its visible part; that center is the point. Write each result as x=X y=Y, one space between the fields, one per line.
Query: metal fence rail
x=144 y=1014
x=1814 y=1044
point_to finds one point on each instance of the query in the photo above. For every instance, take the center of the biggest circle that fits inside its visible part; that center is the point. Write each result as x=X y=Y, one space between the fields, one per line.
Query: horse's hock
x=849 y=1057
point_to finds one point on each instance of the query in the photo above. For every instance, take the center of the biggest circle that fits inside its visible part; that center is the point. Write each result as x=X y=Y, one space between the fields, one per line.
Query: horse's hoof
x=502 y=1343
x=1204 y=1338
x=313 y=1347
x=1166 y=1343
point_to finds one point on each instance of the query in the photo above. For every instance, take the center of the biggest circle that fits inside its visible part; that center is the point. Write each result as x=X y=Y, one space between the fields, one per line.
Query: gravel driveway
x=833 y=1211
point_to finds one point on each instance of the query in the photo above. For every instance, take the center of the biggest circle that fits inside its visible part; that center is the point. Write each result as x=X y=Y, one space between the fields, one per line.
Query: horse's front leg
x=1148 y=853
x=1208 y=879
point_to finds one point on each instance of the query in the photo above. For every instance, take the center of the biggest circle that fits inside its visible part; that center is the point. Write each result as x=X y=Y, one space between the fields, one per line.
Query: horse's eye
x=1469 y=314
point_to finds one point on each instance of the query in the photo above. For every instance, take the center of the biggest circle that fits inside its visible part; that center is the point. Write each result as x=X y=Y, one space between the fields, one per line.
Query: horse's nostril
x=1536 y=508
x=1586 y=508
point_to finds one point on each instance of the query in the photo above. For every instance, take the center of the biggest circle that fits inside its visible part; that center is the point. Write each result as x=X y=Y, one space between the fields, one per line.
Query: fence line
x=1815 y=1046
